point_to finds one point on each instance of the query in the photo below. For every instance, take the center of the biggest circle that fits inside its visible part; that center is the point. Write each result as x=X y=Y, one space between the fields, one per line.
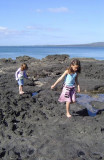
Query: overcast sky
x=46 y=22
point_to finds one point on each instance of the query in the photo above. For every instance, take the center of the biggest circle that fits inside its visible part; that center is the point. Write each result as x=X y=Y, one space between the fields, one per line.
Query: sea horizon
x=41 y=51
x=93 y=44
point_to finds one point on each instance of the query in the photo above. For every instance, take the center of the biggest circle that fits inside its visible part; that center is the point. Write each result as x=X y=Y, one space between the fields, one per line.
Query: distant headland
x=94 y=44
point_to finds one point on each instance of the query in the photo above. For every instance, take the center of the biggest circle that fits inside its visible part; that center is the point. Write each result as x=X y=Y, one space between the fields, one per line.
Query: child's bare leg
x=21 y=89
x=67 y=109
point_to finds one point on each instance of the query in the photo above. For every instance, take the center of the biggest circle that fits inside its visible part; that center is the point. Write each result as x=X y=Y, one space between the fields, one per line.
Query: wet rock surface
x=36 y=128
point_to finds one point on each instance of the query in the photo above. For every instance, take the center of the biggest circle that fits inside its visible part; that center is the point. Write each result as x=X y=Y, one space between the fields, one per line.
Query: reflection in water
x=85 y=100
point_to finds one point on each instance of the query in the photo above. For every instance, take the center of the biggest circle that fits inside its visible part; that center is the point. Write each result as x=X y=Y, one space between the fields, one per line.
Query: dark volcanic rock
x=36 y=128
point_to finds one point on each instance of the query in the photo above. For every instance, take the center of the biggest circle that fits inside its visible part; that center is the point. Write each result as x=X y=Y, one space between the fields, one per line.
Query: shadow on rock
x=81 y=113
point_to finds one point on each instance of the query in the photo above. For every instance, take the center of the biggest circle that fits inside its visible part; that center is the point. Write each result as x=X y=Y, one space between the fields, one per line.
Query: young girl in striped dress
x=71 y=78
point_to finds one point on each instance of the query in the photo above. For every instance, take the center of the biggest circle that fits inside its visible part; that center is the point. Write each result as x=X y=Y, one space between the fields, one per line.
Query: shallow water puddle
x=34 y=94
x=85 y=100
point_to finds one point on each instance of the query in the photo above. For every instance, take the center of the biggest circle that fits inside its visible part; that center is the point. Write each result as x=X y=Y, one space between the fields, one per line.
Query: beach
x=36 y=127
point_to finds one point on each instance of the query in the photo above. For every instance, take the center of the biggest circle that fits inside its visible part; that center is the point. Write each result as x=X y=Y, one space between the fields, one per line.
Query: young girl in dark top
x=71 y=78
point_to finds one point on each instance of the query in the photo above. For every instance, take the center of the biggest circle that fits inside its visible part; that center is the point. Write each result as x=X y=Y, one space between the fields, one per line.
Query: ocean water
x=40 y=52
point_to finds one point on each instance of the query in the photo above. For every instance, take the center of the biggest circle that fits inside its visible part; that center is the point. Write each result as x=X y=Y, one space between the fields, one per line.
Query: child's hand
x=52 y=86
x=29 y=77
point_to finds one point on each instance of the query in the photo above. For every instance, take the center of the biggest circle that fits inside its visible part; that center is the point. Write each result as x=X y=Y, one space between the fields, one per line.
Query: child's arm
x=16 y=74
x=59 y=79
x=77 y=83
x=25 y=75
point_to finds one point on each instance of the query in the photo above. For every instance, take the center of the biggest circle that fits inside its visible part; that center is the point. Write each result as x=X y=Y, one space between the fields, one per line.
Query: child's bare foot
x=21 y=92
x=68 y=115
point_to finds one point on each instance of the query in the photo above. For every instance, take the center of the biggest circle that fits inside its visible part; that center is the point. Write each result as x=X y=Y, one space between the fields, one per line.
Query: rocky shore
x=36 y=128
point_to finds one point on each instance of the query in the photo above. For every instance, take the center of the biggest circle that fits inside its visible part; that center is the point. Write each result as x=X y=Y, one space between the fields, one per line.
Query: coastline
x=36 y=127
x=39 y=52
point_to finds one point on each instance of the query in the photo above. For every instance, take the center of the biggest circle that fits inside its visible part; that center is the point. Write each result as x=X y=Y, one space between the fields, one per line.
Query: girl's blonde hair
x=74 y=62
x=24 y=67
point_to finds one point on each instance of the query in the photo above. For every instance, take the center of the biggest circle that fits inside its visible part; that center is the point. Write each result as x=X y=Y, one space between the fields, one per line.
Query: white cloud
x=38 y=10
x=30 y=27
x=54 y=10
x=3 y=29
x=42 y=28
x=58 y=10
